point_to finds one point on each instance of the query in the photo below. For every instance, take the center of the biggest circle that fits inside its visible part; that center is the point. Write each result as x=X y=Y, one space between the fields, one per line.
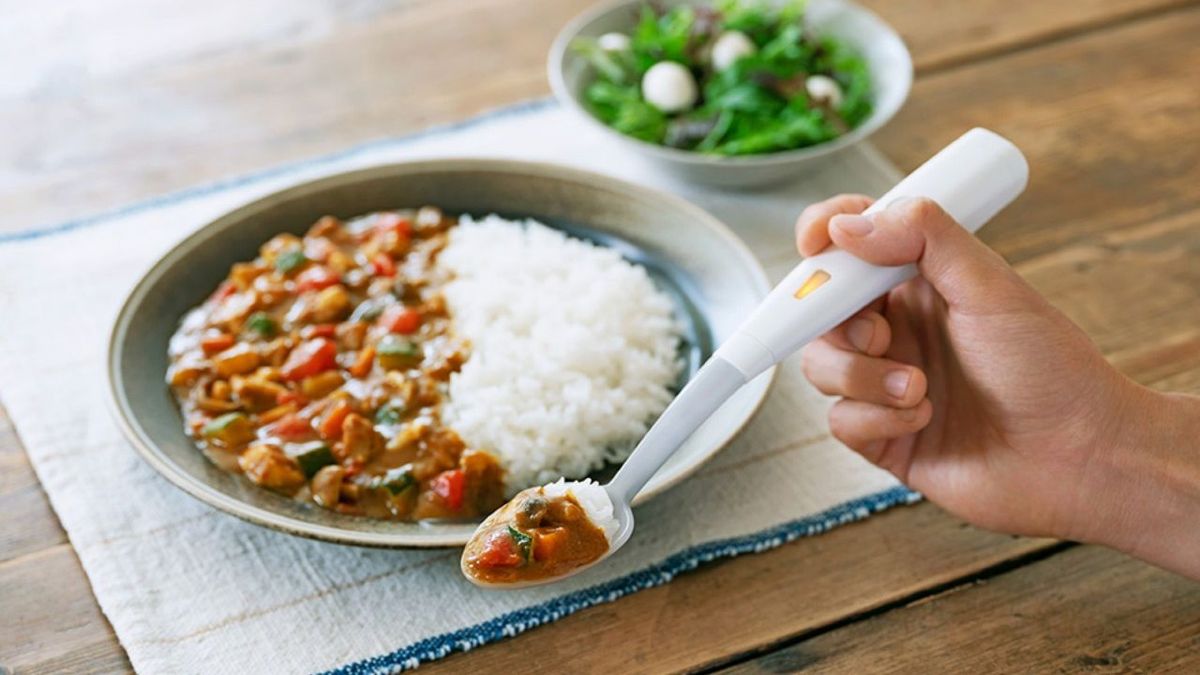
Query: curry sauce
x=534 y=537
x=319 y=369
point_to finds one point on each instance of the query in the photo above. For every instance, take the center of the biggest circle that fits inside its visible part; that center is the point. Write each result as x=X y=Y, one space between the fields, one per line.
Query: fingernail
x=860 y=331
x=859 y=226
x=895 y=383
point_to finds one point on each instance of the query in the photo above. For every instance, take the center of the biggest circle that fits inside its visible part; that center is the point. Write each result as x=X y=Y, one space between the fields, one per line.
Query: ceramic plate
x=712 y=277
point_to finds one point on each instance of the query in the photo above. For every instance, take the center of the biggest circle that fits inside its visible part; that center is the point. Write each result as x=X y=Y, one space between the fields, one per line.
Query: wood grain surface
x=1093 y=91
x=120 y=116
x=1085 y=609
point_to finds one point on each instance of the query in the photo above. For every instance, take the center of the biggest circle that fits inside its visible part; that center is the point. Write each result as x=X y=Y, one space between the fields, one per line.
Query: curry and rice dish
x=406 y=366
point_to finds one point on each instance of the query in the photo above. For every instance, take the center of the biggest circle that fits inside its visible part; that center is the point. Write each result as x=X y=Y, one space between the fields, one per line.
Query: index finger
x=812 y=228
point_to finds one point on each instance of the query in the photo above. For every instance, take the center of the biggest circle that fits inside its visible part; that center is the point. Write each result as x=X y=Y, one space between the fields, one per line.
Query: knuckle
x=857 y=203
x=807 y=362
x=882 y=338
x=925 y=215
x=926 y=415
x=833 y=371
x=915 y=418
x=815 y=374
x=845 y=381
x=810 y=213
x=916 y=390
x=924 y=207
x=837 y=427
x=825 y=389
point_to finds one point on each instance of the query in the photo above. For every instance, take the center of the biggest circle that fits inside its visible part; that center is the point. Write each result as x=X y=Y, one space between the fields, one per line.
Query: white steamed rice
x=573 y=349
x=594 y=500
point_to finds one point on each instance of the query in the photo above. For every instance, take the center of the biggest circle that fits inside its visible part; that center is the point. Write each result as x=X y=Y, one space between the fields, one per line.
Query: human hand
x=971 y=388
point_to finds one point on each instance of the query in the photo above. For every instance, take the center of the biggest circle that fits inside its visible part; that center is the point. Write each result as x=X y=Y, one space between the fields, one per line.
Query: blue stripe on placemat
x=272 y=172
x=513 y=623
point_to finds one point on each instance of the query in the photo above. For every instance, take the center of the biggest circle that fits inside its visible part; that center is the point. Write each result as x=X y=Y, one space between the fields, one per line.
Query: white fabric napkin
x=190 y=589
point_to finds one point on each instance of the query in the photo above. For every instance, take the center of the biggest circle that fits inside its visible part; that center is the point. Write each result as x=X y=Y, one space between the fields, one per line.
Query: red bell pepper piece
x=309 y=358
x=448 y=485
x=500 y=551
x=331 y=426
x=286 y=397
x=212 y=344
x=325 y=330
x=394 y=221
x=226 y=289
x=363 y=363
x=291 y=428
x=400 y=319
x=383 y=265
x=316 y=278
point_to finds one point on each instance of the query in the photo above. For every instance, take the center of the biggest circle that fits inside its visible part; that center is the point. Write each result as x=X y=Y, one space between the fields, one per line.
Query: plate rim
x=121 y=410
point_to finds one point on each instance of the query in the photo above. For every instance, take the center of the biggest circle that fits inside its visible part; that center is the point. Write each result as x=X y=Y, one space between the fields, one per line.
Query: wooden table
x=104 y=105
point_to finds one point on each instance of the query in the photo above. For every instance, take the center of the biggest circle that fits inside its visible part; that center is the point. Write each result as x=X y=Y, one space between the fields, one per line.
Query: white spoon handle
x=713 y=384
x=973 y=178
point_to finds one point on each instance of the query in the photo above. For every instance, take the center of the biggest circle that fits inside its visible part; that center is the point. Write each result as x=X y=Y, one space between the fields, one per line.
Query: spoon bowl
x=622 y=513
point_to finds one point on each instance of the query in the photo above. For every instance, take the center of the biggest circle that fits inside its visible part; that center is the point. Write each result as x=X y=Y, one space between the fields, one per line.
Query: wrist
x=1145 y=482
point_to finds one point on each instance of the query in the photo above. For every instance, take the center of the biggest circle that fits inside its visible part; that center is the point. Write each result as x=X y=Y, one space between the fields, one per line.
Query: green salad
x=740 y=77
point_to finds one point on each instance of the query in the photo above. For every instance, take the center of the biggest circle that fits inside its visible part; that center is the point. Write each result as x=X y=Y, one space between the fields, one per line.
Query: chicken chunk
x=268 y=466
x=360 y=441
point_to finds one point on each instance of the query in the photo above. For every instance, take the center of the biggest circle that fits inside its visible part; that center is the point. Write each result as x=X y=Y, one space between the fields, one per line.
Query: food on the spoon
x=403 y=365
x=544 y=532
x=736 y=77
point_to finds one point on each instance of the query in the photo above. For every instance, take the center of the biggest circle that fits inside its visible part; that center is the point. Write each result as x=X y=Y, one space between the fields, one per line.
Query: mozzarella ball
x=669 y=87
x=614 y=42
x=729 y=47
x=824 y=90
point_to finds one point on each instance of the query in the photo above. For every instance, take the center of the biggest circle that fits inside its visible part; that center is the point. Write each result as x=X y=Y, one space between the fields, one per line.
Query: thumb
x=961 y=268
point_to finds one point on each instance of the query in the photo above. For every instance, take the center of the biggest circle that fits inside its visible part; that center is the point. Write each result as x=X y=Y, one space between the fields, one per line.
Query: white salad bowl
x=888 y=62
